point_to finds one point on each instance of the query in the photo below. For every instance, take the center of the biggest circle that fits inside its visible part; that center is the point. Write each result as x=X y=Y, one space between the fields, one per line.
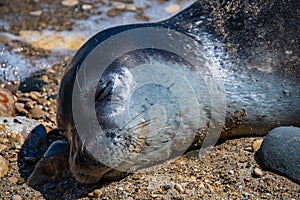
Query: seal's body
x=255 y=48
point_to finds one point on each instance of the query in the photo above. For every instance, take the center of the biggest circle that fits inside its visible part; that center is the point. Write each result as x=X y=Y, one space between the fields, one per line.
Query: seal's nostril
x=110 y=134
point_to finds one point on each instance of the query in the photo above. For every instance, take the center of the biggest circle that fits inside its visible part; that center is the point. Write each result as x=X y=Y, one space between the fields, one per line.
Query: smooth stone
x=16 y=197
x=256 y=144
x=7 y=103
x=258 y=172
x=280 y=152
x=49 y=41
x=2 y=147
x=13 y=179
x=173 y=8
x=179 y=188
x=3 y=166
x=69 y=2
x=38 y=113
x=53 y=166
x=36 y=12
x=20 y=109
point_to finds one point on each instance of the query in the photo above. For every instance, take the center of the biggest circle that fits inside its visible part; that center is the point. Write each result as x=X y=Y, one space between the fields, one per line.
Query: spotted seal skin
x=255 y=46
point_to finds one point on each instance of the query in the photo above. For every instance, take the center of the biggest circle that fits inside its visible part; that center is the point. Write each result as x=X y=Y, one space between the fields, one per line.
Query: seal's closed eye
x=104 y=90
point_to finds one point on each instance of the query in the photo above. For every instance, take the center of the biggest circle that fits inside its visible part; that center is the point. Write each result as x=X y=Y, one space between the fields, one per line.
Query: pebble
x=172 y=8
x=7 y=103
x=44 y=78
x=34 y=95
x=86 y=7
x=16 y=197
x=247 y=179
x=131 y=7
x=37 y=113
x=20 y=108
x=53 y=40
x=36 y=12
x=256 y=144
x=179 y=188
x=30 y=104
x=120 y=188
x=279 y=152
x=3 y=166
x=2 y=147
x=179 y=162
x=258 y=172
x=69 y=2
x=13 y=179
x=52 y=118
x=119 y=5
x=97 y=193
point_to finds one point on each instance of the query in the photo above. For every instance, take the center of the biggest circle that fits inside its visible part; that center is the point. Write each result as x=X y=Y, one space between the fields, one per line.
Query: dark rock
x=280 y=152
x=31 y=84
x=35 y=144
x=53 y=166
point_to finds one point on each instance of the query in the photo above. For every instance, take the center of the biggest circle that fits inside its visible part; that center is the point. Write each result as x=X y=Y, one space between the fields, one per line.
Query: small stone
x=131 y=7
x=247 y=179
x=119 y=5
x=20 y=109
x=7 y=103
x=166 y=187
x=13 y=179
x=30 y=104
x=3 y=166
x=172 y=8
x=256 y=144
x=52 y=118
x=155 y=195
x=37 y=112
x=120 y=188
x=258 y=172
x=97 y=193
x=45 y=78
x=36 y=12
x=86 y=7
x=34 y=95
x=231 y=172
x=16 y=197
x=2 y=147
x=179 y=162
x=179 y=188
x=20 y=181
x=69 y=2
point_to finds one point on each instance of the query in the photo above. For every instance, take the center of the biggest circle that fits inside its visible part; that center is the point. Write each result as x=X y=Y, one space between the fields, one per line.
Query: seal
x=253 y=46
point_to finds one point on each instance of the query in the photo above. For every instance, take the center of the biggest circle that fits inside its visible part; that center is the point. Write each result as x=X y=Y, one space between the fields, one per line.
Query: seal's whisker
x=134 y=118
x=144 y=123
